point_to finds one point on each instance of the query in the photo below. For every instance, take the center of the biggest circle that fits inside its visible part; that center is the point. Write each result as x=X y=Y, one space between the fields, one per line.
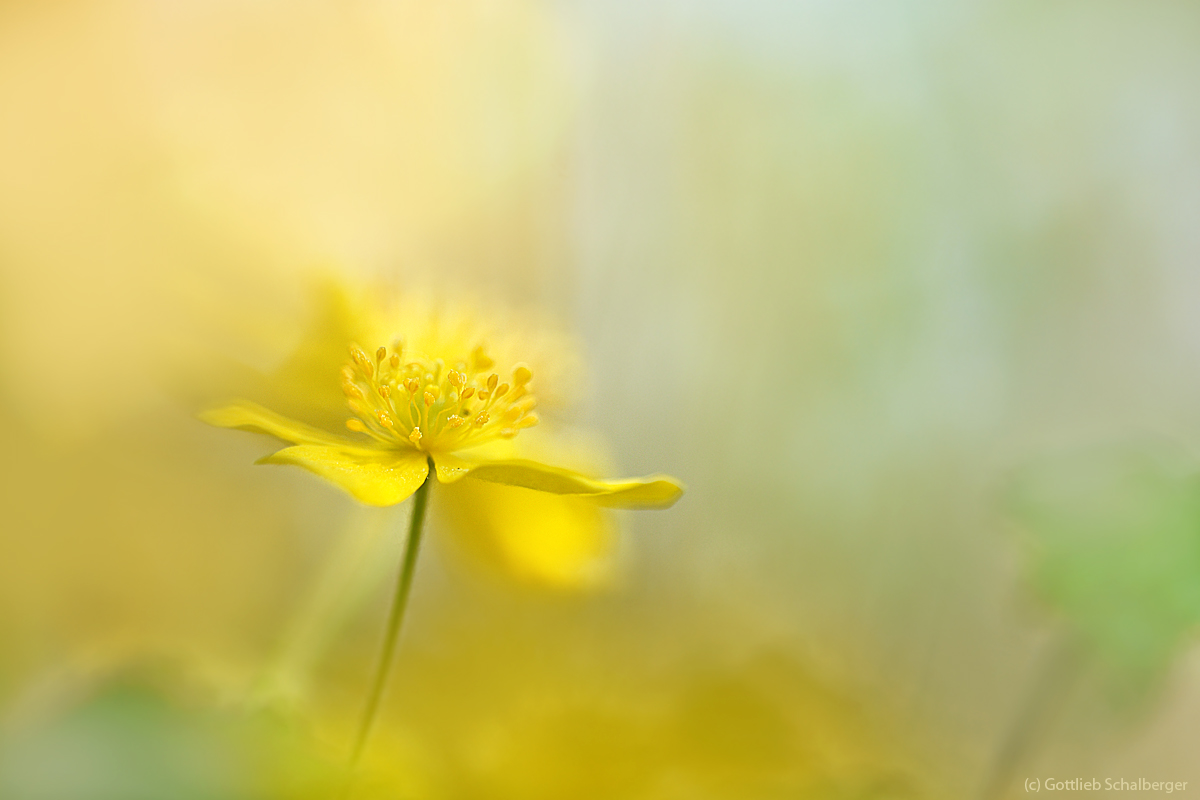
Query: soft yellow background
x=840 y=266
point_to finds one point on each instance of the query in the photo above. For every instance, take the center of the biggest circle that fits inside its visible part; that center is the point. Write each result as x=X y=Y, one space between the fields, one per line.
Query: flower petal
x=381 y=478
x=654 y=491
x=253 y=417
x=553 y=541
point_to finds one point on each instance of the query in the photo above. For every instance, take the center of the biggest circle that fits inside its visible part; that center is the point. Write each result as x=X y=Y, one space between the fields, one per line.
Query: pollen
x=435 y=403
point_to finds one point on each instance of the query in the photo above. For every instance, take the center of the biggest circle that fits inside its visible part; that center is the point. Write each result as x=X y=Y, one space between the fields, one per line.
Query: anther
x=482 y=419
x=527 y=422
x=362 y=360
x=492 y=380
x=467 y=392
x=381 y=354
x=522 y=374
x=456 y=379
x=395 y=362
x=430 y=397
x=352 y=390
x=384 y=391
x=484 y=395
x=502 y=390
x=356 y=425
x=455 y=421
x=415 y=435
x=385 y=419
x=413 y=385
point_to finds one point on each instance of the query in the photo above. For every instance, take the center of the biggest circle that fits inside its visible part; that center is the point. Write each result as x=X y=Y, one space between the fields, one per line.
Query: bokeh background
x=907 y=294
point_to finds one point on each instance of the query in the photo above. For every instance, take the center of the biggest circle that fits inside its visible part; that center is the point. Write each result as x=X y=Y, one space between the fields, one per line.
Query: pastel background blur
x=907 y=294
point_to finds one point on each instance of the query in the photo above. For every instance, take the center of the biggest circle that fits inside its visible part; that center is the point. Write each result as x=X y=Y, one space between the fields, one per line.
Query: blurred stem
x=395 y=618
x=1058 y=668
x=349 y=578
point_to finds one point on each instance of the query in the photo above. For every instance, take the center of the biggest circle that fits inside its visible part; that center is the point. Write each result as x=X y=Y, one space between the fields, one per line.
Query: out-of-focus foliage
x=500 y=709
x=125 y=741
x=1114 y=539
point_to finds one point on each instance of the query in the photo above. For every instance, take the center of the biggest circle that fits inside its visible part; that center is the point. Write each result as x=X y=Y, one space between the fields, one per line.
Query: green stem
x=395 y=617
x=1061 y=664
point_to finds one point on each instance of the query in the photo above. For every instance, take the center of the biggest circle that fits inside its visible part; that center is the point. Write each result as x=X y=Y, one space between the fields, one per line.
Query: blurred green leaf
x=128 y=741
x=1114 y=536
x=124 y=744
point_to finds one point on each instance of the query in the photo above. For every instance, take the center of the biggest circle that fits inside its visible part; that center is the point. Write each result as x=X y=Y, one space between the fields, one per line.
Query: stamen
x=362 y=360
x=440 y=412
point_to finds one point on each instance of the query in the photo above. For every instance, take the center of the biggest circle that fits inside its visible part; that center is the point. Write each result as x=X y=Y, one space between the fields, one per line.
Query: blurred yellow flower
x=433 y=400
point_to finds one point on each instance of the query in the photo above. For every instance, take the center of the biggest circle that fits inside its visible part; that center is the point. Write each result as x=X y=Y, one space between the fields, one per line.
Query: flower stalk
x=412 y=546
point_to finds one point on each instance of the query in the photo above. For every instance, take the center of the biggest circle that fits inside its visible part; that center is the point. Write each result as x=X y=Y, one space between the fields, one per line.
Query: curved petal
x=541 y=539
x=654 y=491
x=253 y=417
x=451 y=469
x=378 y=478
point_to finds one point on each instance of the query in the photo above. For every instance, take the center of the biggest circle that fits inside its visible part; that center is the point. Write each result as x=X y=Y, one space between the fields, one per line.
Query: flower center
x=418 y=402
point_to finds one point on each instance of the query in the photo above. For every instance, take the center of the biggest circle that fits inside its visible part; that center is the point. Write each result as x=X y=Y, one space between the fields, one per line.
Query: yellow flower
x=428 y=391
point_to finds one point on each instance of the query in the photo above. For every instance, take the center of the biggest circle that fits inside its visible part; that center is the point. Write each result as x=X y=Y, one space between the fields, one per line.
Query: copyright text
x=1105 y=785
